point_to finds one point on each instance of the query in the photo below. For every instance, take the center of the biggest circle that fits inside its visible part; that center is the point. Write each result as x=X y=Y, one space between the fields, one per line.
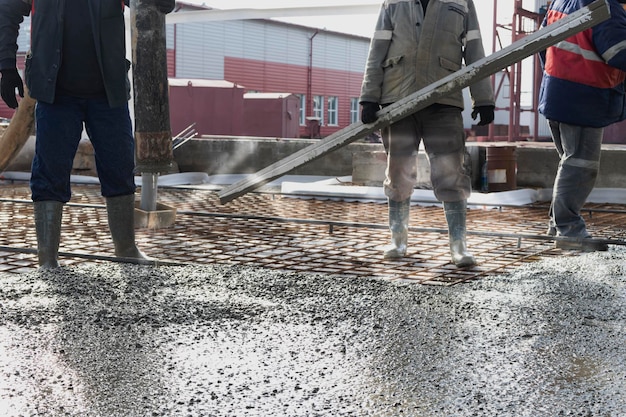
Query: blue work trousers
x=59 y=129
x=579 y=148
x=441 y=129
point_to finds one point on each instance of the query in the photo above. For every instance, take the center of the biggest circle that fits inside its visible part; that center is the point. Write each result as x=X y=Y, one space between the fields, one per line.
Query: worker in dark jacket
x=582 y=91
x=415 y=44
x=77 y=71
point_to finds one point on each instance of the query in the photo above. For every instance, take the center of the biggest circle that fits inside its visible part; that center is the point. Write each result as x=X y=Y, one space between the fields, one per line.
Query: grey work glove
x=368 y=111
x=165 y=6
x=10 y=82
x=486 y=114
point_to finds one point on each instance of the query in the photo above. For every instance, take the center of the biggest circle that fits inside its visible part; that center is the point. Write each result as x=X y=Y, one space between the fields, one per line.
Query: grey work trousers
x=441 y=129
x=579 y=148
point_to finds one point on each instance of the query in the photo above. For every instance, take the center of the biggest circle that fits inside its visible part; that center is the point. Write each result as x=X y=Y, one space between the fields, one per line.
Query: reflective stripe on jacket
x=583 y=78
x=408 y=52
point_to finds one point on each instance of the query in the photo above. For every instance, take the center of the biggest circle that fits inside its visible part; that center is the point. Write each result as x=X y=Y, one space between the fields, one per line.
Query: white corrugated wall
x=201 y=47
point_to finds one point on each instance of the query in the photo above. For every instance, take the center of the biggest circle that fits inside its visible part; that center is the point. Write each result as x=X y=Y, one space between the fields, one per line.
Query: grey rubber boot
x=121 y=216
x=399 y=227
x=48 y=216
x=456 y=213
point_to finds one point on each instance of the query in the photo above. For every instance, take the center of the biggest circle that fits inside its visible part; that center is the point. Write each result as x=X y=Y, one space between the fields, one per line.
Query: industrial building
x=323 y=69
x=220 y=63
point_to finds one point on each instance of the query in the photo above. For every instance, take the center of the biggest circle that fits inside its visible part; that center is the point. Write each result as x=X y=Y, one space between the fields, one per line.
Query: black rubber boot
x=48 y=216
x=121 y=216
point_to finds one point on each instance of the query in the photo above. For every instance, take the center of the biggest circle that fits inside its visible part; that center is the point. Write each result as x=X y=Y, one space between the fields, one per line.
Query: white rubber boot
x=456 y=213
x=399 y=227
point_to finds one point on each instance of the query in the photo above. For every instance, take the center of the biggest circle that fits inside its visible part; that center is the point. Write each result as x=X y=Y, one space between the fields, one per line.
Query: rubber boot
x=456 y=213
x=399 y=227
x=121 y=216
x=48 y=216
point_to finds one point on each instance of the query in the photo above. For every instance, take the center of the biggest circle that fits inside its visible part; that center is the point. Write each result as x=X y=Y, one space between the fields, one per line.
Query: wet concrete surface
x=216 y=340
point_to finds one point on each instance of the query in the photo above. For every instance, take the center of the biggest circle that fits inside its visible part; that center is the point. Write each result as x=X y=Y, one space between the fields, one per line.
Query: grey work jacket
x=44 y=58
x=409 y=51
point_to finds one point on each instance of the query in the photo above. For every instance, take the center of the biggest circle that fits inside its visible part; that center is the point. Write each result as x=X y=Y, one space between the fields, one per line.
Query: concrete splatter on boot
x=48 y=216
x=456 y=213
x=399 y=227
x=121 y=216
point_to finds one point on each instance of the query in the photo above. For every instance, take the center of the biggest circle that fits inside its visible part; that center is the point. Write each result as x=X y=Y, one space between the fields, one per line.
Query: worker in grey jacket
x=416 y=43
x=77 y=71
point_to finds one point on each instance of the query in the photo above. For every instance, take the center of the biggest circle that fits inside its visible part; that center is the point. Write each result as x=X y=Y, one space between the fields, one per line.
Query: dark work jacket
x=44 y=58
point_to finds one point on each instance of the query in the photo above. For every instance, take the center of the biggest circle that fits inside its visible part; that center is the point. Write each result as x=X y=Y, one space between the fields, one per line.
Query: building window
x=354 y=110
x=318 y=108
x=302 y=118
x=333 y=103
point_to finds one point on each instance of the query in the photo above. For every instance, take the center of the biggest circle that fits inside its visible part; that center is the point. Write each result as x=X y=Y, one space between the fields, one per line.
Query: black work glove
x=368 y=111
x=165 y=6
x=486 y=114
x=10 y=81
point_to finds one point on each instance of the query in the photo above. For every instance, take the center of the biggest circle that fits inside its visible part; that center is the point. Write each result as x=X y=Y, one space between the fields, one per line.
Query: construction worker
x=416 y=43
x=582 y=91
x=77 y=71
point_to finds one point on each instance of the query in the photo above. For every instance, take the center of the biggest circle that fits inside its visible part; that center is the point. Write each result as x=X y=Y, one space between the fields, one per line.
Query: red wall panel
x=271 y=117
x=215 y=110
x=272 y=77
x=171 y=63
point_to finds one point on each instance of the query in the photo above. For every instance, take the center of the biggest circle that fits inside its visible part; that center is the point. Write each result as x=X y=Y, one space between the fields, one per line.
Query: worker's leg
x=58 y=127
x=401 y=146
x=110 y=132
x=579 y=149
x=444 y=141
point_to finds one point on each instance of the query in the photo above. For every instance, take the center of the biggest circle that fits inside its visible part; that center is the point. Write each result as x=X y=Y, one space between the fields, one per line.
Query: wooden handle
x=19 y=130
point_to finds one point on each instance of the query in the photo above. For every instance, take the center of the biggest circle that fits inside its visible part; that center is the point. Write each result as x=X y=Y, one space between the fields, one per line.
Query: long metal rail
x=331 y=224
x=92 y=257
x=589 y=210
x=334 y=223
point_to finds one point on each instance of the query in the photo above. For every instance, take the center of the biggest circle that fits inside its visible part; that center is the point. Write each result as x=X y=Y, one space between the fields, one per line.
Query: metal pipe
x=270 y=13
x=309 y=85
x=153 y=136
x=149 y=183
x=334 y=223
x=93 y=257
x=494 y=36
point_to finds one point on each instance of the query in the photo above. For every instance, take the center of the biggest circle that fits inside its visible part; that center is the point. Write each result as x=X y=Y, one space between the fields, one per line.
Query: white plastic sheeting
x=339 y=188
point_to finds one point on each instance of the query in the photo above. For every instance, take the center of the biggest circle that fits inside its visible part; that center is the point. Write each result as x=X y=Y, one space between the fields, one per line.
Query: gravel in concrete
x=122 y=340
